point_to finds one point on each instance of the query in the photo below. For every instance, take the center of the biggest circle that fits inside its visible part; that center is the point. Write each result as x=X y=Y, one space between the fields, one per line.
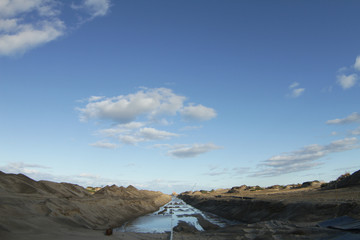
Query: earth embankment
x=34 y=209
x=256 y=210
x=296 y=211
x=307 y=202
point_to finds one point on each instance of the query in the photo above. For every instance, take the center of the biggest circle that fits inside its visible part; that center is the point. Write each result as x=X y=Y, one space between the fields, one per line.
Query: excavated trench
x=173 y=214
x=253 y=210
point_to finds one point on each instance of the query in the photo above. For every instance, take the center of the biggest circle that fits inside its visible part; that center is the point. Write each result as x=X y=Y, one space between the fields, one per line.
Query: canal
x=169 y=215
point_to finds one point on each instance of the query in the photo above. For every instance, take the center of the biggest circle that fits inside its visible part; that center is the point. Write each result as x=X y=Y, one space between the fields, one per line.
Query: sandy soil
x=281 y=212
x=48 y=210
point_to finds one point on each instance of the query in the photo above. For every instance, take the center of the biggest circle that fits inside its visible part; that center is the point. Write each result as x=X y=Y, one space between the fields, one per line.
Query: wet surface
x=168 y=217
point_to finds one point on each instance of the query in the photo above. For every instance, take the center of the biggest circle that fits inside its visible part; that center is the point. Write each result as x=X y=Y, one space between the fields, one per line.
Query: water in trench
x=168 y=217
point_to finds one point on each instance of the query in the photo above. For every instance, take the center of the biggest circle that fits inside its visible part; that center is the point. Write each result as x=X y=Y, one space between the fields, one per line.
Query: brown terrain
x=284 y=212
x=46 y=210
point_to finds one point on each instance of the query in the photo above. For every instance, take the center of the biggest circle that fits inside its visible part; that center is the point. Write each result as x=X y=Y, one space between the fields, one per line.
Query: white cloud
x=294 y=85
x=133 y=125
x=25 y=25
x=28 y=36
x=126 y=108
x=11 y=8
x=94 y=7
x=97 y=7
x=134 y=132
x=347 y=81
x=295 y=92
x=149 y=103
x=352 y=118
x=154 y=134
x=161 y=145
x=342 y=69
x=304 y=158
x=189 y=128
x=137 y=113
x=18 y=35
x=16 y=167
x=102 y=144
x=112 y=132
x=95 y=98
x=234 y=172
x=355 y=131
x=144 y=135
x=357 y=63
x=189 y=151
x=131 y=140
x=8 y=25
x=197 y=113
x=121 y=128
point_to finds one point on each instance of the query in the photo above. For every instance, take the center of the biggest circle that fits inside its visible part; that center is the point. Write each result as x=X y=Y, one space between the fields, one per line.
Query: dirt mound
x=17 y=183
x=345 y=180
x=66 y=190
x=307 y=202
x=26 y=206
x=112 y=190
x=185 y=227
x=205 y=224
x=121 y=192
x=131 y=188
x=310 y=184
x=238 y=189
x=256 y=210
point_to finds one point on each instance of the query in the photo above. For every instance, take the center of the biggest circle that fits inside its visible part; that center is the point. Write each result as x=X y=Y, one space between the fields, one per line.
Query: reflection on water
x=168 y=217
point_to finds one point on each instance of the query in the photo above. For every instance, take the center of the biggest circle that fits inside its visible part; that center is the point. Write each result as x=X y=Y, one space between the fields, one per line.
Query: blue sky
x=175 y=95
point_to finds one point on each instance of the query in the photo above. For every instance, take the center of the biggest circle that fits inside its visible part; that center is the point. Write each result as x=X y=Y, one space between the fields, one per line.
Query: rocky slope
x=31 y=208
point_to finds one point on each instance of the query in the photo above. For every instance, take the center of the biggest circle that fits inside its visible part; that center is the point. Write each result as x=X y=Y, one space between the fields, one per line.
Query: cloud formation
x=355 y=131
x=17 y=34
x=347 y=81
x=144 y=135
x=304 y=158
x=357 y=63
x=294 y=85
x=135 y=132
x=25 y=25
x=233 y=172
x=295 y=91
x=152 y=133
x=135 y=115
x=352 y=118
x=148 y=103
x=94 y=8
x=190 y=151
x=190 y=128
x=16 y=167
x=197 y=113
x=126 y=108
x=103 y=144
